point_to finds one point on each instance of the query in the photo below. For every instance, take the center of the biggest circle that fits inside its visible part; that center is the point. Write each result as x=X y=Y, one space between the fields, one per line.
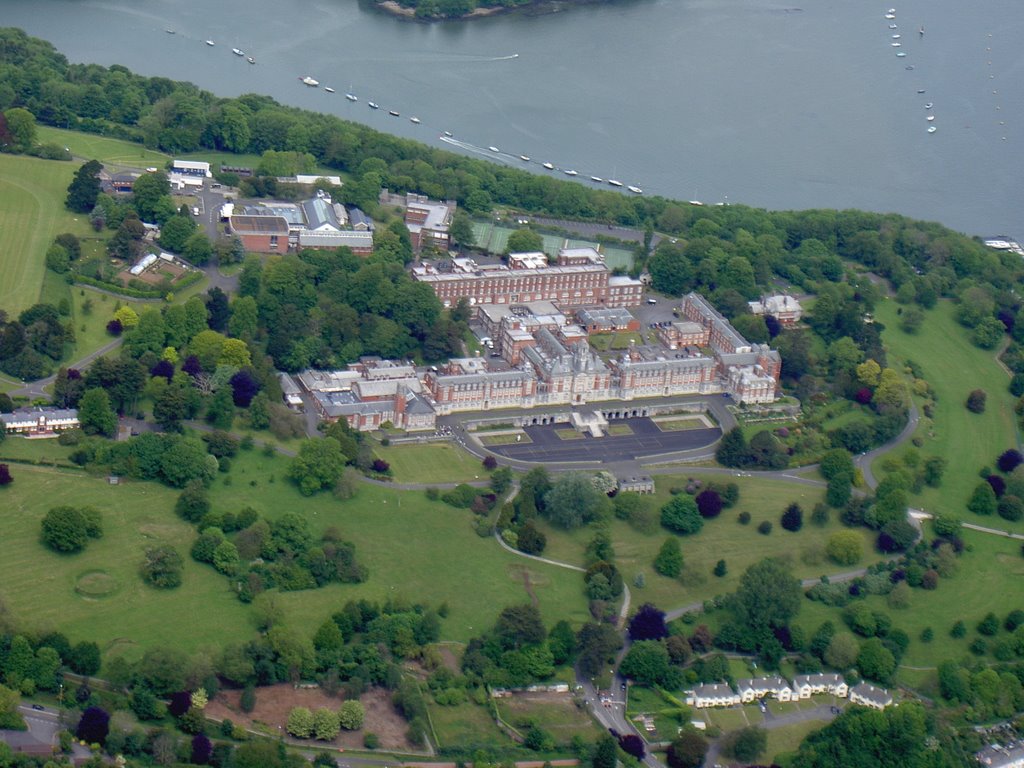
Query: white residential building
x=754 y=689
x=805 y=686
x=712 y=695
x=870 y=696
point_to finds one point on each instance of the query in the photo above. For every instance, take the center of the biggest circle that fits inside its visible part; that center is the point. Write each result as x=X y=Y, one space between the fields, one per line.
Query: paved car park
x=647 y=440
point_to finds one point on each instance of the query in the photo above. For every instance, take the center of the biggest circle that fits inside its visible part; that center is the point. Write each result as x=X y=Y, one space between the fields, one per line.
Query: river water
x=774 y=103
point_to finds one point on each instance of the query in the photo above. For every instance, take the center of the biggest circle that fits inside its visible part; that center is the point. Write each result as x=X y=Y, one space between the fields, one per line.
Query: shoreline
x=538 y=7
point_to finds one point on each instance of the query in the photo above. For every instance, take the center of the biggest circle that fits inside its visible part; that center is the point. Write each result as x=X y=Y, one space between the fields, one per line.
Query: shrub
x=976 y=401
x=669 y=561
x=1009 y=460
x=162 y=567
x=67 y=529
x=351 y=715
x=793 y=518
x=681 y=515
x=743 y=518
x=845 y=547
x=988 y=625
x=764 y=528
x=709 y=503
x=959 y=629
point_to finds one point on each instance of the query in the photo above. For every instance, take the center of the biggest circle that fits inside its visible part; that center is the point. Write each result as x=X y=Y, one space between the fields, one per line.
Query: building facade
x=40 y=422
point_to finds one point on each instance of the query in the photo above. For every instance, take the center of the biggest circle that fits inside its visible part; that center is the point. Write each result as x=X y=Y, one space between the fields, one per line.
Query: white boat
x=571 y=173
x=448 y=134
x=371 y=105
x=351 y=97
x=210 y=43
x=901 y=54
x=393 y=113
x=920 y=90
x=307 y=80
x=328 y=90
x=897 y=45
x=635 y=190
x=930 y=118
x=250 y=59
x=169 y=31
x=891 y=10
x=932 y=129
x=596 y=178
x=524 y=158
x=890 y=15
x=894 y=26
x=494 y=149
x=615 y=183
x=238 y=52
x=549 y=166
x=929 y=105
x=896 y=37
x=414 y=120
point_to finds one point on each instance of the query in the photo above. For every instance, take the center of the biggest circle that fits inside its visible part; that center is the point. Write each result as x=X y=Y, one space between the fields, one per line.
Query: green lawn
x=97 y=594
x=953 y=367
x=32 y=213
x=988 y=572
x=722 y=538
x=414 y=548
x=431 y=463
x=106 y=150
x=468 y=724
x=788 y=738
x=91 y=329
x=556 y=713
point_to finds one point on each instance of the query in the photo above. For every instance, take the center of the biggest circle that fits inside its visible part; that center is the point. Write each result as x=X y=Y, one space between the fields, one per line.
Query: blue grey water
x=774 y=103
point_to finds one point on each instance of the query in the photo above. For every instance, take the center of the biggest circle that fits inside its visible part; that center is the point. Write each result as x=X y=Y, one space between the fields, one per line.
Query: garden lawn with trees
x=721 y=538
x=953 y=367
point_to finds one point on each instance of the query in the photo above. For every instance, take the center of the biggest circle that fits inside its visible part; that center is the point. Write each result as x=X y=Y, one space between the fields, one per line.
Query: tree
x=95 y=414
x=84 y=658
x=162 y=567
x=793 y=518
x=5 y=475
x=768 y=596
x=573 y=501
x=983 y=500
x=646 y=662
x=68 y=529
x=648 y=623
x=720 y=569
x=193 y=503
x=300 y=722
x=836 y=462
x=325 y=724
x=845 y=547
x=687 y=751
x=732 y=451
x=896 y=737
x=94 y=726
x=747 y=744
x=680 y=514
x=842 y=651
x=202 y=749
x=605 y=754
x=524 y=241
x=875 y=661
x=669 y=561
x=1009 y=460
x=709 y=503
x=318 y=465
x=530 y=539
x=84 y=188
x=519 y=625
x=461 y=229
x=351 y=715
x=21 y=124
x=976 y=401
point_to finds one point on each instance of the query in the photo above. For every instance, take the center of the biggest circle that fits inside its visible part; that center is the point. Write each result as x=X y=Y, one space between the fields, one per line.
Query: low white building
x=712 y=695
x=870 y=696
x=805 y=686
x=785 y=309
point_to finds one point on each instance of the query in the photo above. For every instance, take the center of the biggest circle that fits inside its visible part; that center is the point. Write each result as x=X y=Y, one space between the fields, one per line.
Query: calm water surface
x=792 y=104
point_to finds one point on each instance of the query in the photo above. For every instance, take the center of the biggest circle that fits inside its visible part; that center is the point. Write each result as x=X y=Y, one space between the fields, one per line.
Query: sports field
x=106 y=150
x=32 y=213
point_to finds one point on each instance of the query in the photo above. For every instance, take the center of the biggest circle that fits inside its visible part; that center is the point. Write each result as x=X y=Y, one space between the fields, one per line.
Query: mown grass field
x=431 y=463
x=414 y=548
x=720 y=539
x=102 y=148
x=953 y=367
x=32 y=213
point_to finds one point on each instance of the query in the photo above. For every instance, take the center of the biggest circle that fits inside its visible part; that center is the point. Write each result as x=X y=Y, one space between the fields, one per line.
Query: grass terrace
x=431 y=463
x=108 y=151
